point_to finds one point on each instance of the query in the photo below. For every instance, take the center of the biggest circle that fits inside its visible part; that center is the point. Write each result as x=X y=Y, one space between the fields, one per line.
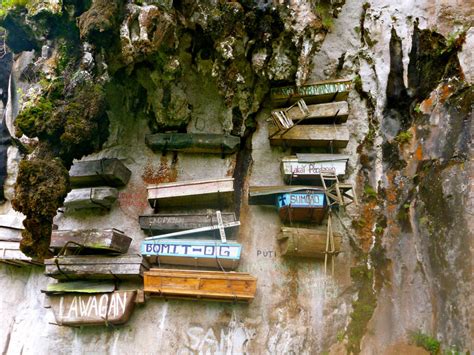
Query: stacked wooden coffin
x=10 y=236
x=89 y=268
x=314 y=116
x=95 y=184
x=194 y=238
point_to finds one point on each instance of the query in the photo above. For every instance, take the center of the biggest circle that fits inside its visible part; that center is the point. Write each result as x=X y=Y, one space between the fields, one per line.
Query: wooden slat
x=107 y=240
x=8 y=234
x=103 y=172
x=193 y=142
x=166 y=223
x=303 y=242
x=196 y=252
x=230 y=286
x=319 y=92
x=96 y=267
x=295 y=170
x=335 y=111
x=336 y=136
x=209 y=193
x=93 y=309
x=80 y=287
x=10 y=253
x=91 y=198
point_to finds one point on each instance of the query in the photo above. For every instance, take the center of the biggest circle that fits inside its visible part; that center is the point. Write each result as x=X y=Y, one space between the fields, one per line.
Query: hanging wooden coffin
x=324 y=135
x=103 y=172
x=209 y=193
x=320 y=92
x=206 y=285
x=303 y=242
x=336 y=112
x=91 y=240
x=205 y=253
x=166 y=223
x=91 y=198
x=91 y=267
x=308 y=167
x=193 y=142
x=294 y=203
x=11 y=254
x=11 y=226
x=89 y=309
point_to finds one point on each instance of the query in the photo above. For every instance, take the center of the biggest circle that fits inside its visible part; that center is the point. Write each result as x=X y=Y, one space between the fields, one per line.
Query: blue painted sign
x=191 y=249
x=301 y=199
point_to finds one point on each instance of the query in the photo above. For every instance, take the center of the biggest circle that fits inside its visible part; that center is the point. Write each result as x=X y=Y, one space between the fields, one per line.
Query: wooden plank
x=167 y=223
x=91 y=198
x=193 y=142
x=319 y=92
x=195 y=232
x=8 y=234
x=103 y=172
x=308 y=168
x=80 y=287
x=10 y=253
x=93 y=309
x=106 y=240
x=303 y=242
x=205 y=253
x=11 y=225
x=268 y=195
x=333 y=111
x=336 y=136
x=218 y=192
x=213 y=285
x=71 y=267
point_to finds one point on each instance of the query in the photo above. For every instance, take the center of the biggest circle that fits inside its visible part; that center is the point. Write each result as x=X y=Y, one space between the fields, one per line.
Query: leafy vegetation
x=404 y=137
x=426 y=342
x=6 y=5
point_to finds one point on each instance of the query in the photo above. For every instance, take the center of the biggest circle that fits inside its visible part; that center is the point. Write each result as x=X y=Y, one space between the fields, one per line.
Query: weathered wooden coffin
x=86 y=309
x=206 y=253
x=103 y=172
x=91 y=240
x=308 y=167
x=11 y=226
x=167 y=222
x=11 y=254
x=91 y=267
x=324 y=91
x=210 y=193
x=303 y=242
x=91 y=198
x=324 y=135
x=207 y=285
x=193 y=142
x=332 y=111
x=294 y=203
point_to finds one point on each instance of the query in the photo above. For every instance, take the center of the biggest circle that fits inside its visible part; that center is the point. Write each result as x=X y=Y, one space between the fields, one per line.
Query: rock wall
x=406 y=261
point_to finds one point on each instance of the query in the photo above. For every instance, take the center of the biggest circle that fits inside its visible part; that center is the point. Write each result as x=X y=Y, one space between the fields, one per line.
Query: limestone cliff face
x=91 y=79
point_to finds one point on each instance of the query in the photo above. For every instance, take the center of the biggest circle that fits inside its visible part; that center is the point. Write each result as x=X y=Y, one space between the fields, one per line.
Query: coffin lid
x=80 y=287
x=311 y=158
x=188 y=183
x=265 y=195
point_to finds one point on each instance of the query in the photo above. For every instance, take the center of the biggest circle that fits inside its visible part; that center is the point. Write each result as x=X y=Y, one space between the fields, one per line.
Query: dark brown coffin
x=95 y=240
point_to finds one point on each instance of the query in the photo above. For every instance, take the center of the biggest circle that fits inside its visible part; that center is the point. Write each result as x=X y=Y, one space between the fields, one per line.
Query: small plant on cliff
x=404 y=137
x=426 y=342
x=6 y=5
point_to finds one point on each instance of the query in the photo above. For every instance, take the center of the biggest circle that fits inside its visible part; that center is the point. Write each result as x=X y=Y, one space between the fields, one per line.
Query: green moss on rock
x=41 y=186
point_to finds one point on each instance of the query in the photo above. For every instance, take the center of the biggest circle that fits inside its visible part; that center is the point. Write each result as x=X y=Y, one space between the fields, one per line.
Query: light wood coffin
x=193 y=142
x=92 y=267
x=89 y=309
x=319 y=92
x=11 y=226
x=308 y=167
x=209 y=193
x=205 y=253
x=92 y=240
x=103 y=172
x=91 y=198
x=303 y=242
x=330 y=112
x=162 y=223
x=11 y=254
x=324 y=135
x=207 y=285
